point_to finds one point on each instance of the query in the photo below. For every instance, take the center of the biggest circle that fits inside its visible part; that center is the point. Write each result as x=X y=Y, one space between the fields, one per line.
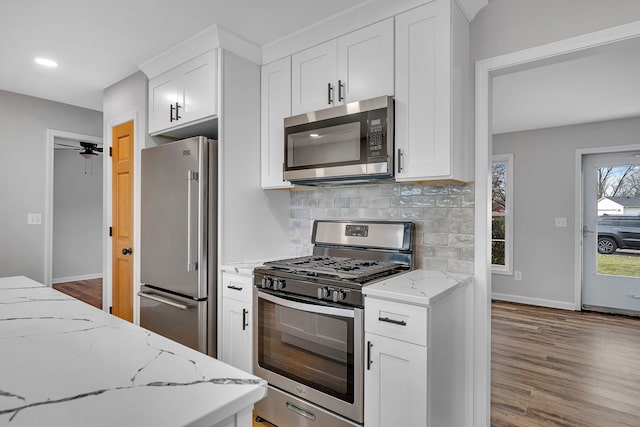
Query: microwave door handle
x=308 y=307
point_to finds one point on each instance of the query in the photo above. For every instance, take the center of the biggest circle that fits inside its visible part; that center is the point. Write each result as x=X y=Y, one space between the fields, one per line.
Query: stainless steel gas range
x=309 y=338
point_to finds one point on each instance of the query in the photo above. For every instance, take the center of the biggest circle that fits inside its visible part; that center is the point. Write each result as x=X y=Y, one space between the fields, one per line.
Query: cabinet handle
x=244 y=318
x=399 y=160
x=178 y=116
x=329 y=94
x=171 y=119
x=369 y=362
x=340 y=88
x=395 y=322
x=235 y=288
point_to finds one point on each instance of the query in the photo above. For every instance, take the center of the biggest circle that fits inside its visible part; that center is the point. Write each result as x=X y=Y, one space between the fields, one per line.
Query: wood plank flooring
x=89 y=291
x=563 y=368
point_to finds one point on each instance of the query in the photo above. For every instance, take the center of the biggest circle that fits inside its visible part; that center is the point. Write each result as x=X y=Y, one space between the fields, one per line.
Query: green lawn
x=618 y=264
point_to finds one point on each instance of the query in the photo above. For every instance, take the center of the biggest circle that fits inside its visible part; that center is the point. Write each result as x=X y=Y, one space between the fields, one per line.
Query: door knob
x=126 y=251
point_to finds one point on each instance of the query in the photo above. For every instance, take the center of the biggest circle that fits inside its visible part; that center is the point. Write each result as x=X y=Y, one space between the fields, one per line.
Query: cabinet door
x=163 y=95
x=313 y=77
x=423 y=93
x=237 y=348
x=395 y=384
x=365 y=63
x=199 y=88
x=276 y=105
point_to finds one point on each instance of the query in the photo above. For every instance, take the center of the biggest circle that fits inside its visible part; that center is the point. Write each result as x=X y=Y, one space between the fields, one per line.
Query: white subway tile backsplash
x=443 y=215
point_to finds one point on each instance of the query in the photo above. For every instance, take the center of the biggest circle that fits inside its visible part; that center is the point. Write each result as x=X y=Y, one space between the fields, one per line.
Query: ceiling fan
x=87 y=150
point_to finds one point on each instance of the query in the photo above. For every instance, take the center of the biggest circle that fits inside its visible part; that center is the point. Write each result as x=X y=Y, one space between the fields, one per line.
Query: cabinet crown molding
x=210 y=38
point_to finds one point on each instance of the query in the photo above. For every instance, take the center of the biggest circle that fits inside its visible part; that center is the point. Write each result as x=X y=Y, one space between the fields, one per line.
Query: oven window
x=310 y=348
x=329 y=145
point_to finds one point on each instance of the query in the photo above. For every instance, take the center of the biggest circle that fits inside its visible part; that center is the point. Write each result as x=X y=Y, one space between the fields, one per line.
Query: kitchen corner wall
x=443 y=214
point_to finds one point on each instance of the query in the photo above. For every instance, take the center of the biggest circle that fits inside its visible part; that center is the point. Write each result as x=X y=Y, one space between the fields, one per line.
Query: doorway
x=611 y=232
x=485 y=71
x=74 y=204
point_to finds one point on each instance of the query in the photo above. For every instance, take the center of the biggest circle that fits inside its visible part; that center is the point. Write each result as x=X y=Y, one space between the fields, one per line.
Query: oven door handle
x=308 y=307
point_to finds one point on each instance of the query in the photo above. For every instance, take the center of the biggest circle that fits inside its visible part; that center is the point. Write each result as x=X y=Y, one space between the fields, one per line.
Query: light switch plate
x=34 y=219
x=561 y=222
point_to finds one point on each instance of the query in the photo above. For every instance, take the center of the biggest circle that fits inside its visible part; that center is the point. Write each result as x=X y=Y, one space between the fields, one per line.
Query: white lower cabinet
x=416 y=357
x=237 y=326
x=395 y=383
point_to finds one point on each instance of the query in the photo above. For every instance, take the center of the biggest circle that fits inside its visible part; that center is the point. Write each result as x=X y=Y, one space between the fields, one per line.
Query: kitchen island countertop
x=420 y=287
x=66 y=363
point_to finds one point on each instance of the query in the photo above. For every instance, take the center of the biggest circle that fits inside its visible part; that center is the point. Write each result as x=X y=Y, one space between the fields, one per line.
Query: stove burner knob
x=338 y=295
x=267 y=282
x=323 y=293
x=278 y=284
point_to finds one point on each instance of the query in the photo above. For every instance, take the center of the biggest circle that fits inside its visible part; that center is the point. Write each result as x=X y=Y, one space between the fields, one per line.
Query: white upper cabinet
x=313 y=78
x=365 y=63
x=432 y=99
x=356 y=66
x=185 y=94
x=275 y=106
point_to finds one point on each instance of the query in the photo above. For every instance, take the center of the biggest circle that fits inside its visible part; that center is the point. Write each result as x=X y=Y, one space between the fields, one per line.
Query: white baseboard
x=76 y=278
x=534 y=301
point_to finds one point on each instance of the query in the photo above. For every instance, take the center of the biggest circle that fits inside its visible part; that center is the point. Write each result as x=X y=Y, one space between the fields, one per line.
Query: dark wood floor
x=563 y=368
x=89 y=291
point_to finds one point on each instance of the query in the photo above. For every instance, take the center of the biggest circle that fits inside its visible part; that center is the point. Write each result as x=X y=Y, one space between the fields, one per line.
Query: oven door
x=311 y=350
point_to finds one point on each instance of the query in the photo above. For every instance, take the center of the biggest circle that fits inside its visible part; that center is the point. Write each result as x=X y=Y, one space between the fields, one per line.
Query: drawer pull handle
x=369 y=362
x=395 y=322
x=235 y=288
x=300 y=411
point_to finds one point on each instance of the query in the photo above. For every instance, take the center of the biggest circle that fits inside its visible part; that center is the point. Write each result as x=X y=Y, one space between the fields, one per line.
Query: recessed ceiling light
x=314 y=135
x=46 y=62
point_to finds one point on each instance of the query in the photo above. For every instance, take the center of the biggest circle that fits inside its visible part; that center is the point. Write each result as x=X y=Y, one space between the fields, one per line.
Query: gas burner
x=339 y=267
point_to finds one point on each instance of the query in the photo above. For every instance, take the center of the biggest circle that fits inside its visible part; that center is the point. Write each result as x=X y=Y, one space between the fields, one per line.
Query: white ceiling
x=599 y=84
x=98 y=43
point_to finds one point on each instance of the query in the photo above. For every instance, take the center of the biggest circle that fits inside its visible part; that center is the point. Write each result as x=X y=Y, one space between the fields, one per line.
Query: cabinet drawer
x=237 y=287
x=396 y=320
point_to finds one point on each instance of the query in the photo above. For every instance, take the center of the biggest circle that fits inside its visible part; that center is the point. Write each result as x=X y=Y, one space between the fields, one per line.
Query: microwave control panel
x=376 y=141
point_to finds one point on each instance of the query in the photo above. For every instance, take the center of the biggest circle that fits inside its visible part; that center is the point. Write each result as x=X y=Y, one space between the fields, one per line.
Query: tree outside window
x=501 y=213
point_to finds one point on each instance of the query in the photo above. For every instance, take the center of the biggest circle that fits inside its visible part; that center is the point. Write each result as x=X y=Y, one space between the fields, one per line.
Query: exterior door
x=122 y=217
x=611 y=275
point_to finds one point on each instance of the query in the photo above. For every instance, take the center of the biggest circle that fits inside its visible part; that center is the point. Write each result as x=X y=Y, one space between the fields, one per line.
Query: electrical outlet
x=34 y=219
x=517 y=275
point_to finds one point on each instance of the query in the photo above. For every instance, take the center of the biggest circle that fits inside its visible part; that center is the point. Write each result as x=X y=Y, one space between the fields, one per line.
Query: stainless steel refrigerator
x=178 y=242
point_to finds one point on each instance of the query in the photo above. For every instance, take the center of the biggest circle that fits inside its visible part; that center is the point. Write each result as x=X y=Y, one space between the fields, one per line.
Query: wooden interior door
x=122 y=217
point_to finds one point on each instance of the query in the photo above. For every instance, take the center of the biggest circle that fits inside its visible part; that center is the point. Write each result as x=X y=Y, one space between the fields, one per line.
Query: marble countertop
x=246 y=267
x=66 y=363
x=420 y=287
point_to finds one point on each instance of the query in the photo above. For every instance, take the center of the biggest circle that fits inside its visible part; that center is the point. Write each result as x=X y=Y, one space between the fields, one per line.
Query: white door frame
x=485 y=70
x=579 y=192
x=52 y=134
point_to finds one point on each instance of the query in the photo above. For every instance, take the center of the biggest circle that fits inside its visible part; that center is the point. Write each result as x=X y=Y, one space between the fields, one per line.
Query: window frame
x=507 y=268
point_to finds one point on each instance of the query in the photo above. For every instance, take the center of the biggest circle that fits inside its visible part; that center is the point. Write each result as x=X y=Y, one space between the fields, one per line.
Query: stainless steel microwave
x=347 y=144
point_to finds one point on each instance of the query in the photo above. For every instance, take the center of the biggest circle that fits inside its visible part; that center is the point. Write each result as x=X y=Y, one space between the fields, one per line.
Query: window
x=502 y=214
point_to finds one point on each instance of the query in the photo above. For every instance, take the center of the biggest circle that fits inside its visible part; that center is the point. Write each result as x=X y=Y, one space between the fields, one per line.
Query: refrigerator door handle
x=162 y=300
x=191 y=265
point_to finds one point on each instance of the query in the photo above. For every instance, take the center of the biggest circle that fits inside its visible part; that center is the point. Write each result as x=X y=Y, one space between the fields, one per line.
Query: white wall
x=255 y=222
x=544 y=187
x=510 y=25
x=77 y=216
x=24 y=121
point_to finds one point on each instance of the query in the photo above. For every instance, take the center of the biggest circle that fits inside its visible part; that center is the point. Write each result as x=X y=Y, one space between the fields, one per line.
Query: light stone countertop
x=66 y=363
x=246 y=267
x=419 y=287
